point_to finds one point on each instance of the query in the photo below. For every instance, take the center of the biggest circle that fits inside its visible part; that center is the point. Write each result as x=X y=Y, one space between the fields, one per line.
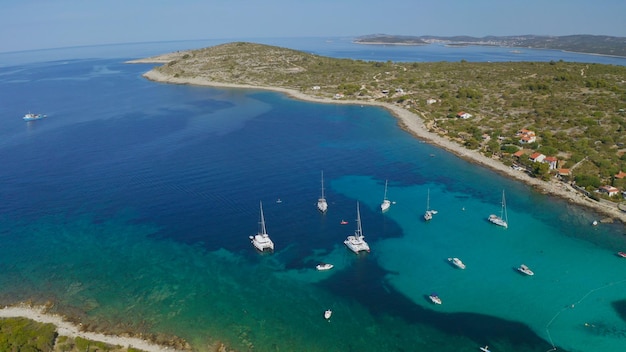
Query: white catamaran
x=501 y=220
x=261 y=240
x=356 y=243
x=322 y=205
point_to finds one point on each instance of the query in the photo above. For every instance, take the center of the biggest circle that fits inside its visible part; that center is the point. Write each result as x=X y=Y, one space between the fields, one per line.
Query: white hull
x=322 y=267
x=32 y=117
x=525 y=270
x=435 y=299
x=457 y=262
x=322 y=205
x=327 y=314
x=356 y=243
x=494 y=219
x=262 y=242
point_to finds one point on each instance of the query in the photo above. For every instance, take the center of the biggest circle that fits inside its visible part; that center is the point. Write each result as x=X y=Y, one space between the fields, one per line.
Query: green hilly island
x=576 y=110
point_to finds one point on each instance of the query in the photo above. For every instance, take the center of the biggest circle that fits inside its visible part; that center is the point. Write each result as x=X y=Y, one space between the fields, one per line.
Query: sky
x=43 y=24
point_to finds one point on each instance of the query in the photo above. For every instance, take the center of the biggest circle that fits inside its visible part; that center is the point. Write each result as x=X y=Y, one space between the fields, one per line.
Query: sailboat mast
x=263 y=231
x=359 y=230
x=503 y=214
x=385 y=196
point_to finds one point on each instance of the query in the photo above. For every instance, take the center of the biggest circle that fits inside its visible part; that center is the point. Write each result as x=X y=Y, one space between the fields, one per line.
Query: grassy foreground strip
x=22 y=334
x=26 y=328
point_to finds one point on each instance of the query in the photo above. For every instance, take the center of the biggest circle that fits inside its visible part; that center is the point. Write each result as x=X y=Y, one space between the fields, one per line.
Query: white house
x=610 y=190
x=537 y=157
x=463 y=115
x=526 y=136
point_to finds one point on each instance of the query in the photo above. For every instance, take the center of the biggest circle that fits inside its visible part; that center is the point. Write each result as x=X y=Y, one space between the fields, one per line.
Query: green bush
x=20 y=334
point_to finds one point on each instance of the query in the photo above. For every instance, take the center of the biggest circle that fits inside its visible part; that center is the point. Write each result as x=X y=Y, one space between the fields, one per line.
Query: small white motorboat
x=32 y=117
x=525 y=270
x=485 y=349
x=324 y=266
x=327 y=314
x=435 y=299
x=457 y=262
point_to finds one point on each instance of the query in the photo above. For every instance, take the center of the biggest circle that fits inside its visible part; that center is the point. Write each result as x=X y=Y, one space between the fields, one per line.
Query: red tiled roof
x=621 y=174
x=519 y=153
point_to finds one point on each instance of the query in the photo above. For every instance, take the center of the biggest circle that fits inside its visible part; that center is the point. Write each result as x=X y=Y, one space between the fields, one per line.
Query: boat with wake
x=32 y=117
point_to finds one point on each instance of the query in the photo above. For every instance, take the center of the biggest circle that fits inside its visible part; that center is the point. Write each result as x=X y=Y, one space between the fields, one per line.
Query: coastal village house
x=463 y=115
x=564 y=172
x=552 y=161
x=609 y=190
x=526 y=136
x=537 y=157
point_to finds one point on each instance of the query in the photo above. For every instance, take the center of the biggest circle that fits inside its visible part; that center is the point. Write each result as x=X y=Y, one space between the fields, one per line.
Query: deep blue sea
x=132 y=203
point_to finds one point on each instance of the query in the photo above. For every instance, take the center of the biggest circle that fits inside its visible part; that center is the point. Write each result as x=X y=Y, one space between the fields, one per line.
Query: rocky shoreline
x=414 y=124
x=65 y=328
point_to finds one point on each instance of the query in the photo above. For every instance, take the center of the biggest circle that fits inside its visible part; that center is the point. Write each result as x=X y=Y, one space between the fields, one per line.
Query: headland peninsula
x=557 y=126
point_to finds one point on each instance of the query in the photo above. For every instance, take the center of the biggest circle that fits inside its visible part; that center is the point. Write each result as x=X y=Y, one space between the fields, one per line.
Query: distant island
x=590 y=44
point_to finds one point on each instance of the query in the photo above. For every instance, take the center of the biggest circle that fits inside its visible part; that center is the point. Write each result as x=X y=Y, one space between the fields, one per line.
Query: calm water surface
x=133 y=201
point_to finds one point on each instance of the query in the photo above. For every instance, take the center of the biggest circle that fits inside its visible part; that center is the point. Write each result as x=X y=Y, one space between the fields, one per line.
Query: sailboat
x=501 y=220
x=428 y=214
x=386 y=203
x=261 y=240
x=356 y=243
x=321 y=202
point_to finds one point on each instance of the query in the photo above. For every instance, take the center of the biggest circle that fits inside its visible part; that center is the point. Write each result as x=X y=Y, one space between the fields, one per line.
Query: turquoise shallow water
x=569 y=299
x=130 y=207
